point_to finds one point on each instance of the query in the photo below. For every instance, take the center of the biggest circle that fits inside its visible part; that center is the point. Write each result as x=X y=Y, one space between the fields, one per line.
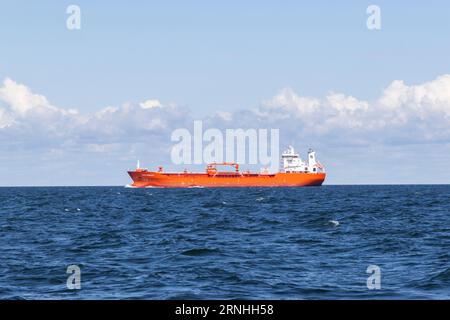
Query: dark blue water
x=304 y=243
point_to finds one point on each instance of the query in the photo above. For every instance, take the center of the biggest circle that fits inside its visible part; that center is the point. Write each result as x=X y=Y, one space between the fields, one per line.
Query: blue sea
x=272 y=243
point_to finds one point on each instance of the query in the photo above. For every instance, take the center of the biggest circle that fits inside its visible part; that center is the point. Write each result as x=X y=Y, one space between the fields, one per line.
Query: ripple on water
x=200 y=252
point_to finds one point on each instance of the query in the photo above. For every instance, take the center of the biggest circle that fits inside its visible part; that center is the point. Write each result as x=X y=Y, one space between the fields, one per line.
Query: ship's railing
x=229 y=164
x=211 y=169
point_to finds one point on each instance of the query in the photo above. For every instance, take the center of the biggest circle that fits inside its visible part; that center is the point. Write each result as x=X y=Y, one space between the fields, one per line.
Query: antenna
x=138 y=165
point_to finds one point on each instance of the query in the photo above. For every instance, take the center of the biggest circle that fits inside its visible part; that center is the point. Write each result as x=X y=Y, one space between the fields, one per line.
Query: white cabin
x=292 y=163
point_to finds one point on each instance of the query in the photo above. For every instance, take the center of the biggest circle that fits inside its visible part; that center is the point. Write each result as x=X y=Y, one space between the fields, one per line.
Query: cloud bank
x=402 y=115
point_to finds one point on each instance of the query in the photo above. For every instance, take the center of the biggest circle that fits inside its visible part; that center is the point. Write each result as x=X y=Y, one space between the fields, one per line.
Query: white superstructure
x=291 y=162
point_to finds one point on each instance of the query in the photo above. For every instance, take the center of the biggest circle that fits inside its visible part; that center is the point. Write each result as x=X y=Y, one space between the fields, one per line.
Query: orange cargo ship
x=294 y=173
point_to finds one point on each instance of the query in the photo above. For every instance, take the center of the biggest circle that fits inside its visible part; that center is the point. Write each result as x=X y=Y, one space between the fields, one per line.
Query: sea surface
x=272 y=243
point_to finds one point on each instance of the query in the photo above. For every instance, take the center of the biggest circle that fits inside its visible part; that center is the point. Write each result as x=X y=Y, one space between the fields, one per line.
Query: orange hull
x=144 y=178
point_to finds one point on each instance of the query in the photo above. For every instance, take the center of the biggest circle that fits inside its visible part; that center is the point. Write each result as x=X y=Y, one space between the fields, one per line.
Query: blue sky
x=209 y=55
x=206 y=56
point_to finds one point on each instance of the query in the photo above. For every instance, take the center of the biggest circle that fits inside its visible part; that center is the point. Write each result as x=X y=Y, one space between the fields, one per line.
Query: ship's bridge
x=291 y=162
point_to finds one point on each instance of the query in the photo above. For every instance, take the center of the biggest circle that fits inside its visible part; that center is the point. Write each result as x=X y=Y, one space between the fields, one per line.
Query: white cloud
x=418 y=113
x=425 y=100
x=287 y=103
x=31 y=120
x=20 y=99
x=6 y=119
x=149 y=104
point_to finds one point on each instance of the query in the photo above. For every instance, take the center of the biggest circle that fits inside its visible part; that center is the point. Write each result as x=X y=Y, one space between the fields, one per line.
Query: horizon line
x=325 y=185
